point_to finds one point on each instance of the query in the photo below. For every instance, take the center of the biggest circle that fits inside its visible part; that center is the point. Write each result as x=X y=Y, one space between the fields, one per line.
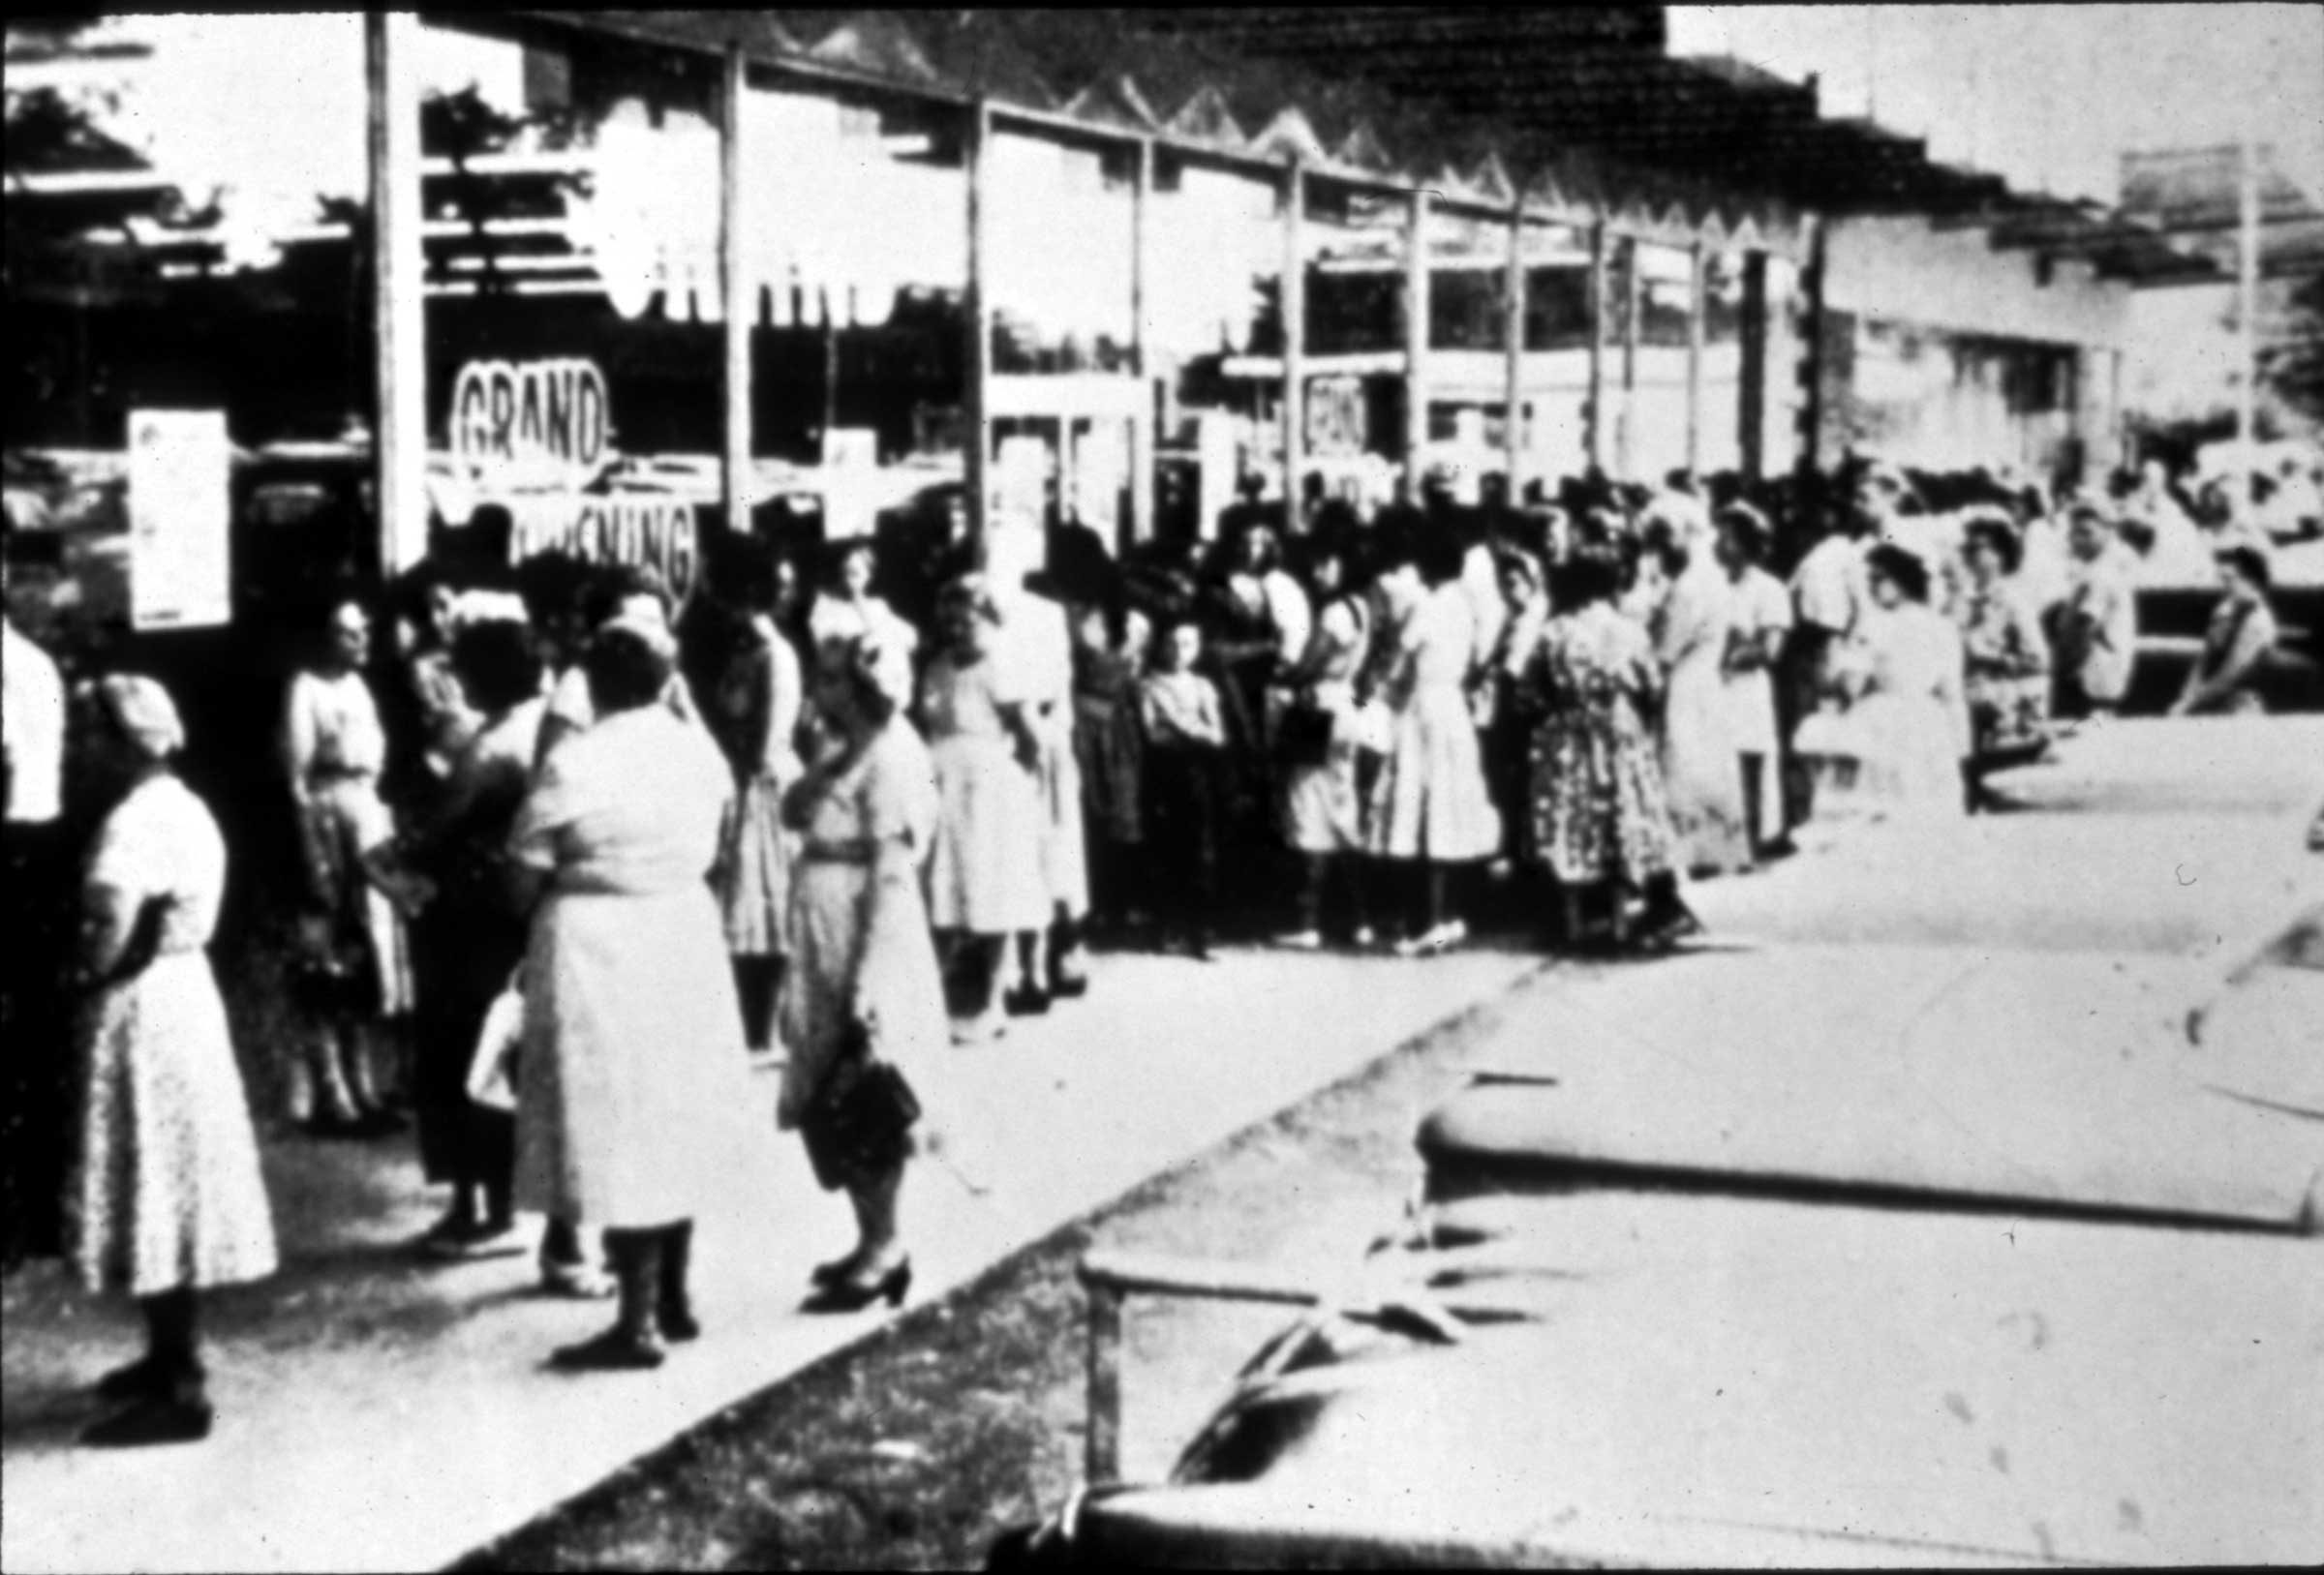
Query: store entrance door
x=1076 y=447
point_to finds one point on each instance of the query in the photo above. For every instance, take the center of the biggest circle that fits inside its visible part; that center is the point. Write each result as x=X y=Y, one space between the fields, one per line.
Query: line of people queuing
x=641 y=848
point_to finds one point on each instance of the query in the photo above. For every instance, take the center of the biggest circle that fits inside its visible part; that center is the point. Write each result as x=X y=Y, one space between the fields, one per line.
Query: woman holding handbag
x=863 y=992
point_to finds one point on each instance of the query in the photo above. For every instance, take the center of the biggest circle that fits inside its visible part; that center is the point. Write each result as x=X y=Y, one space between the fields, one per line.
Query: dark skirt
x=463 y=957
x=37 y=1070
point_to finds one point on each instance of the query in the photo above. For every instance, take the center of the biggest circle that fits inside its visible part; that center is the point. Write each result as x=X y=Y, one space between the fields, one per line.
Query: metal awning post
x=741 y=293
x=1294 y=298
x=398 y=308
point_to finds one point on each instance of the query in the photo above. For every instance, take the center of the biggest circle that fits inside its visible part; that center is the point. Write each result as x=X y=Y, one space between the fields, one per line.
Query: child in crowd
x=1185 y=737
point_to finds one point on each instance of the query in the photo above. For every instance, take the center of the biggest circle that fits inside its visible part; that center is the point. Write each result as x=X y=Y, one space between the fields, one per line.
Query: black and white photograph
x=1261 y=787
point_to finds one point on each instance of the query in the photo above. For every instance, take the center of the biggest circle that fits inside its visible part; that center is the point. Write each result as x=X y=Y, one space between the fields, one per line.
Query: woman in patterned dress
x=1601 y=816
x=353 y=959
x=166 y=1197
x=2007 y=655
x=755 y=706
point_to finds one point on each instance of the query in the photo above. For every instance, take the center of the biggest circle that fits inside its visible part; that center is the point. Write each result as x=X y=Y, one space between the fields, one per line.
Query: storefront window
x=1656 y=427
x=1215 y=316
x=1787 y=325
x=1063 y=399
x=171 y=248
x=856 y=220
x=1721 y=415
x=1559 y=314
x=569 y=201
x=1354 y=242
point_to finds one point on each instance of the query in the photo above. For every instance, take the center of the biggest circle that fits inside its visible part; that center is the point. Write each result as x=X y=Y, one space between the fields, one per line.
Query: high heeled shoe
x=854 y=1295
x=834 y=1270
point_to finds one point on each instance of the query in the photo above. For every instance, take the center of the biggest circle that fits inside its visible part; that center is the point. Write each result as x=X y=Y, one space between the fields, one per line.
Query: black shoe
x=1026 y=1001
x=677 y=1321
x=136 y=1380
x=616 y=1351
x=151 y=1420
x=325 y=1125
x=1069 y=986
x=854 y=1295
x=833 y=1272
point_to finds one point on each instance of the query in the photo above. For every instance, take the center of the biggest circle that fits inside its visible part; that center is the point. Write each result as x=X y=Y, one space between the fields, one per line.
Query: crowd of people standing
x=571 y=858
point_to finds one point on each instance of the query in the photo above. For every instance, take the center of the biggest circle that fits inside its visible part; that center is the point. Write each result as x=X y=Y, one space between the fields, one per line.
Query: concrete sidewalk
x=379 y=1413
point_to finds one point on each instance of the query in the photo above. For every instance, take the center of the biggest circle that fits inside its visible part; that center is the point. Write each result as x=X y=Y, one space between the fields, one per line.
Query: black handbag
x=1303 y=733
x=859 y=1124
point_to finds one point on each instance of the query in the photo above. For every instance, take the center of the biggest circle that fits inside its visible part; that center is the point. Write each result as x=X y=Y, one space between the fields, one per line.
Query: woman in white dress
x=166 y=1197
x=1761 y=622
x=634 y=1111
x=984 y=880
x=862 y=970
x=1037 y=634
x=1907 y=727
x=354 y=961
x=1692 y=633
x=1428 y=808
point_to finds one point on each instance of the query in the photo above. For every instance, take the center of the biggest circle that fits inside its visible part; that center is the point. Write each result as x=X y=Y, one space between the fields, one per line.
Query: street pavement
x=379 y=1412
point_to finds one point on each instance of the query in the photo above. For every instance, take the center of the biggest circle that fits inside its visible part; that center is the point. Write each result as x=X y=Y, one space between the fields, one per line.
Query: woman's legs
x=636 y=1339
x=757 y=982
x=168 y=1387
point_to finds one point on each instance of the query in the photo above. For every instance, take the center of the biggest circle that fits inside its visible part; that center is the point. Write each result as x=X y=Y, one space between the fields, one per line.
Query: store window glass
x=170 y=249
x=1467 y=376
x=1354 y=243
x=1559 y=319
x=569 y=201
x=1656 y=424
x=1215 y=316
x=855 y=216
x=1787 y=340
x=1723 y=312
x=1064 y=401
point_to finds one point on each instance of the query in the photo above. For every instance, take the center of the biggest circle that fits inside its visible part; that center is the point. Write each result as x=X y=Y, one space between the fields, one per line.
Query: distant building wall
x=1942 y=352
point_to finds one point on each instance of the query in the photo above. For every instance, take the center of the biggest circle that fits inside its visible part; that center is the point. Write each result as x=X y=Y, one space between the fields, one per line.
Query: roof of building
x=1578 y=110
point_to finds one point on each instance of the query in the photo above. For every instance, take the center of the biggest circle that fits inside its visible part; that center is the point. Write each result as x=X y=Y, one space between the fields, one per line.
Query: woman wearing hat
x=166 y=1198
x=2008 y=656
x=2236 y=645
x=862 y=968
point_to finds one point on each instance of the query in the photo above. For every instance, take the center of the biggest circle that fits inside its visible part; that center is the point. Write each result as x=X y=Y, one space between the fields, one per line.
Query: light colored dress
x=984 y=873
x=887 y=793
x=2008 y=664
x=334 y=749
x=1598 y=809
x=1322 y=810
x=166 y=1191
x=634 y=1099
x=1908 y=731
x=1429 y=801
x=1762 y=605
x=760 y=699
x=1037 y=642
x=1699 y=750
